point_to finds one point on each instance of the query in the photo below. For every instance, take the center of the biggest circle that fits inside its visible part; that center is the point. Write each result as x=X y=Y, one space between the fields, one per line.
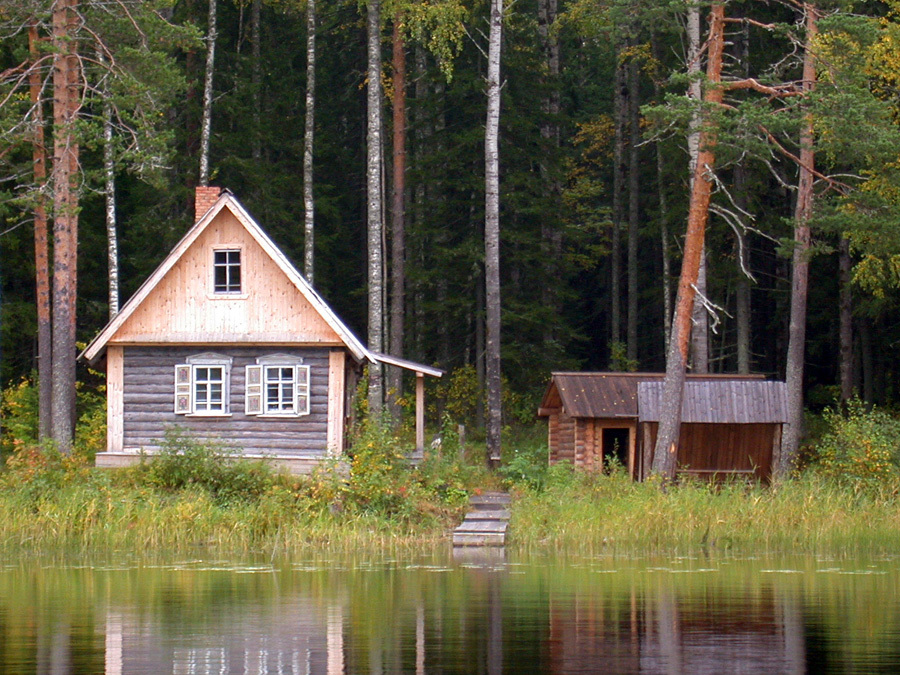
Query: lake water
x=441 y=615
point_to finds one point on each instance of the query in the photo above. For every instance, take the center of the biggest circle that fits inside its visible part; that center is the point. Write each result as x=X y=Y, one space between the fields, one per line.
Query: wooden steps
x=486 y=523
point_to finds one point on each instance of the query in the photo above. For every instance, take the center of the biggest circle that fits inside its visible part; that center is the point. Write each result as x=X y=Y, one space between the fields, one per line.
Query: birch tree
x=374 y=206
x=492 y=233
x=206 y=121
x=309 y=211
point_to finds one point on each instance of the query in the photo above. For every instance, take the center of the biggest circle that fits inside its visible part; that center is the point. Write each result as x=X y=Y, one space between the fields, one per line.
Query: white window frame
x=258 y=379
x=240 y=265
x=187 y=382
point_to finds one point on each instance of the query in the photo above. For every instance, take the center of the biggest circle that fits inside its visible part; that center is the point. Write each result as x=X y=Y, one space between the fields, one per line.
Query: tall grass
x=591 y=513
x=194 y=499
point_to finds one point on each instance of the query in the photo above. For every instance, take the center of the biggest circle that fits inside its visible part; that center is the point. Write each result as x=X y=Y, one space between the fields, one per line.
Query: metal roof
x=719 y=402
x=610 y=394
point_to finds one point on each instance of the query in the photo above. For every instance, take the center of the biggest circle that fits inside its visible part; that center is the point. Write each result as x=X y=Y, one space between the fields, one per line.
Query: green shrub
x=383 y=482
x=34 y=473
x=186 y=463
x=526 y=465
x=860 y=447
x=19 y=410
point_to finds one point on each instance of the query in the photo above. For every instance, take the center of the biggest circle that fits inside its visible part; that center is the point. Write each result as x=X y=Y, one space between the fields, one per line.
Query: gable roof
x=720 y=402
x=609 y=395
x=228 y=201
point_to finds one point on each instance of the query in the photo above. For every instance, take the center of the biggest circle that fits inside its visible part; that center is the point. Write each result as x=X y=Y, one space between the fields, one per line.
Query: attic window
x=227 y=271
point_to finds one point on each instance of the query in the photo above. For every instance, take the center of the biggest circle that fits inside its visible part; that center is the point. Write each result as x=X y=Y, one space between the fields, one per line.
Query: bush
x=186 y=463
x=19 y=410
x=383 y=482
x=36 y=473
x=860 y=447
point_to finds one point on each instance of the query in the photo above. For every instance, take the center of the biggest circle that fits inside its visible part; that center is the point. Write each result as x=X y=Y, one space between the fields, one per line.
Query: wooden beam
x=420 y=412
x=336 y=385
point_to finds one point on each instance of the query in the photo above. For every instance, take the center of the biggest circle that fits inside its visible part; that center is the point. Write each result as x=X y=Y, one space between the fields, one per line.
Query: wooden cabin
x=730 y=425
x=227 y=342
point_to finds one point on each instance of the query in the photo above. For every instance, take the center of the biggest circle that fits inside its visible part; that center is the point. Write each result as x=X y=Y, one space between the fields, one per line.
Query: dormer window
x=227 y=271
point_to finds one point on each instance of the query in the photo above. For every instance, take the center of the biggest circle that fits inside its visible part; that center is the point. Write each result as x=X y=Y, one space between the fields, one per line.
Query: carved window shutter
x=183 y=389
x=253 y=391
x=301 y=390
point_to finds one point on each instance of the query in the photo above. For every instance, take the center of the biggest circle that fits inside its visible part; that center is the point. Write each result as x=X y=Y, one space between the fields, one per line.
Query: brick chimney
x=204 y=198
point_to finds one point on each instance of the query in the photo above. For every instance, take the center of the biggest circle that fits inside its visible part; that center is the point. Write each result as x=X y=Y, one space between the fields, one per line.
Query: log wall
x=561 y=437
x=148 y=385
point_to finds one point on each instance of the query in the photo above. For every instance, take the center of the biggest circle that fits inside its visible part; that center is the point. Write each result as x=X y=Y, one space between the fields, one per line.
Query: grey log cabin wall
x=148 y=393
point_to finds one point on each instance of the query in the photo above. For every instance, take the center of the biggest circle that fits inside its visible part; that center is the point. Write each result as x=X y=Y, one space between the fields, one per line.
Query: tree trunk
x=742 y=287
x=700 y=320
x=666 y=450
x=66 y=102
x=41 y=249
x=663 y=216
x=398 y=221
x=620 y=92
x=867 y=361
x=109 y=190
x=492 y=234
x=633 y=209
x=551 y=236
x=846 y=322
x=790 y=441
x=256 y=77
x=664 y=242
x=309 y=213
x=374 y=205
x=206 y=123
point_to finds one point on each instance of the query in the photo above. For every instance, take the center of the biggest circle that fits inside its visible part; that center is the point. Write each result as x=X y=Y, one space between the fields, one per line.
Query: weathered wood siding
x=149 y=380
x=706 y=449
x=182 y=307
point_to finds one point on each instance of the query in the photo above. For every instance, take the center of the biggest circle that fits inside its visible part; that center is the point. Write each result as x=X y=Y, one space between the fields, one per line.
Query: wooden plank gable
x=182 y=307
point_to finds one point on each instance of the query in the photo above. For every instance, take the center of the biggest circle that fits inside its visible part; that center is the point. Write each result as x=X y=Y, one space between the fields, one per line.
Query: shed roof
x=608 y=394
x=719 y=402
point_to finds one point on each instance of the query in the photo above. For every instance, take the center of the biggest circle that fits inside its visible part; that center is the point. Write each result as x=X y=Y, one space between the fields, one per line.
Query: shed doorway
x=616 y=443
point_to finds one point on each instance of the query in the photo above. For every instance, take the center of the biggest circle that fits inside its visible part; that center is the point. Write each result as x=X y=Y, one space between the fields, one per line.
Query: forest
x=604 y=104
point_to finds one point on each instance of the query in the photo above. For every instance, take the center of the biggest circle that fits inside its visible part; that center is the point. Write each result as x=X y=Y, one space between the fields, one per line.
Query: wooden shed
x=731 y=424
x=228 y=342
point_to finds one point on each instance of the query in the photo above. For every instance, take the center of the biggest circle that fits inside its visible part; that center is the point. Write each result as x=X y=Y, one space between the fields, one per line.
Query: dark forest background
x=561 y=200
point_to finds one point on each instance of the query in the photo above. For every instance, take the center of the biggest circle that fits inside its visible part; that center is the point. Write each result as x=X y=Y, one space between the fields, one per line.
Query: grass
x=593 y=514
x=195 y=501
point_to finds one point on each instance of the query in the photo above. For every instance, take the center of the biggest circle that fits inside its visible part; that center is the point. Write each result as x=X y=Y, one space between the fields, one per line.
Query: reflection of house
x=296 y=639
x=662 y=633
x=730 y=423
x=227 y=341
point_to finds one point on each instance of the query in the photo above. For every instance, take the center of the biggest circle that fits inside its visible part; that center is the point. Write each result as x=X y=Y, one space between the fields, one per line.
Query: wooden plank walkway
x=486 y=523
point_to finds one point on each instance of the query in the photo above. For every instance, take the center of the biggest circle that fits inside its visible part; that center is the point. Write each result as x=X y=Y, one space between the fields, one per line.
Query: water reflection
x=441 y=616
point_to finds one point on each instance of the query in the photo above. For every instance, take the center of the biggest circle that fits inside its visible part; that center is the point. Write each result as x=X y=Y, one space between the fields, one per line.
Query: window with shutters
x=277 y=386
x=202 y=385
